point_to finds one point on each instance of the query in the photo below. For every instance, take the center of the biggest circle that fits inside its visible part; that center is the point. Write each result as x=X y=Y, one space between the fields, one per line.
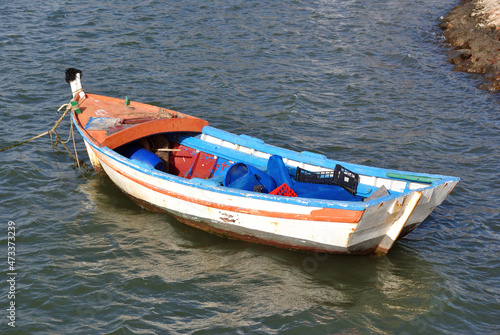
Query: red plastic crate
x=283 y=190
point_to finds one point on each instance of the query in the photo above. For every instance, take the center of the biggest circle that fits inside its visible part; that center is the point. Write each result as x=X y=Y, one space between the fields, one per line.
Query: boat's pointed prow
x=395 y=229
x=73 y=77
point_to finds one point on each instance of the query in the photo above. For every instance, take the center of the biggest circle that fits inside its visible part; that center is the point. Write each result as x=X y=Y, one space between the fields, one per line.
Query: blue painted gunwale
x=257 y=144
x=314 y=158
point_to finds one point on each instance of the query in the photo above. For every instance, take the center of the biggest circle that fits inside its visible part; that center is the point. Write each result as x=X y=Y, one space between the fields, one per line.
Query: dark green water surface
x=360 y=81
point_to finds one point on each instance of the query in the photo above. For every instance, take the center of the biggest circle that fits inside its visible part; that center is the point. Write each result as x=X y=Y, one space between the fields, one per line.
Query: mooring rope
x=53 y=146
x=70 y=134
x=69 y=107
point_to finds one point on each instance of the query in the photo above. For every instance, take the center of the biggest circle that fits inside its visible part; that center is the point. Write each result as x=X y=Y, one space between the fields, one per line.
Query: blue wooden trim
x=317 y=159
x=259 y=145
x=213 y=185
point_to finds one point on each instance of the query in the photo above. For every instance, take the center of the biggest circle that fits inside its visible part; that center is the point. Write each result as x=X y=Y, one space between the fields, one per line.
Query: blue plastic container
x=278 y=171
x=326 y=192
x=145 y=156
x=276 y=168
x=127 y=150
x=246 y=177
x=142 y=155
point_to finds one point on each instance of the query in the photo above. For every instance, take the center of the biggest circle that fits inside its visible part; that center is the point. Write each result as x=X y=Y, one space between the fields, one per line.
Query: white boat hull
x=305 y=228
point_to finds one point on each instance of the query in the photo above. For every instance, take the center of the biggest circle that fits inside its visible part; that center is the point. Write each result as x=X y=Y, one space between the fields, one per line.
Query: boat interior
x=210 y=160
x=187 y=147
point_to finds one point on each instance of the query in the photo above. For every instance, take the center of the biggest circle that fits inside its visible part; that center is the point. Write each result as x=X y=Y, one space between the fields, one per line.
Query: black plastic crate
x=323 y=177
x=346 y=178
x=340 y=176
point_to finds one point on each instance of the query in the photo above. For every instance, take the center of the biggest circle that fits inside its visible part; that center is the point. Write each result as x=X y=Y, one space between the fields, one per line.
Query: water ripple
x=361 y=81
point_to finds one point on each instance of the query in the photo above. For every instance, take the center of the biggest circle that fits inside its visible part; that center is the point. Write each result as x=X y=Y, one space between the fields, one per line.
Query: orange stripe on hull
x=323 y=215
x=290 y=244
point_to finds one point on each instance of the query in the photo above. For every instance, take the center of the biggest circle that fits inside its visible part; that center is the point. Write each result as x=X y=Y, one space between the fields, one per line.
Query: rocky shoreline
x=473 y=30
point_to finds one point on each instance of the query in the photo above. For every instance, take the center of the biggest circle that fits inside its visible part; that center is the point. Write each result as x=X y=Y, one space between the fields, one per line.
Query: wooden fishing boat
x=237 y=186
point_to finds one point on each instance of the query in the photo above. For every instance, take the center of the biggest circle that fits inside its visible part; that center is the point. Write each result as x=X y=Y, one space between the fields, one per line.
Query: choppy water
x=363 y=81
